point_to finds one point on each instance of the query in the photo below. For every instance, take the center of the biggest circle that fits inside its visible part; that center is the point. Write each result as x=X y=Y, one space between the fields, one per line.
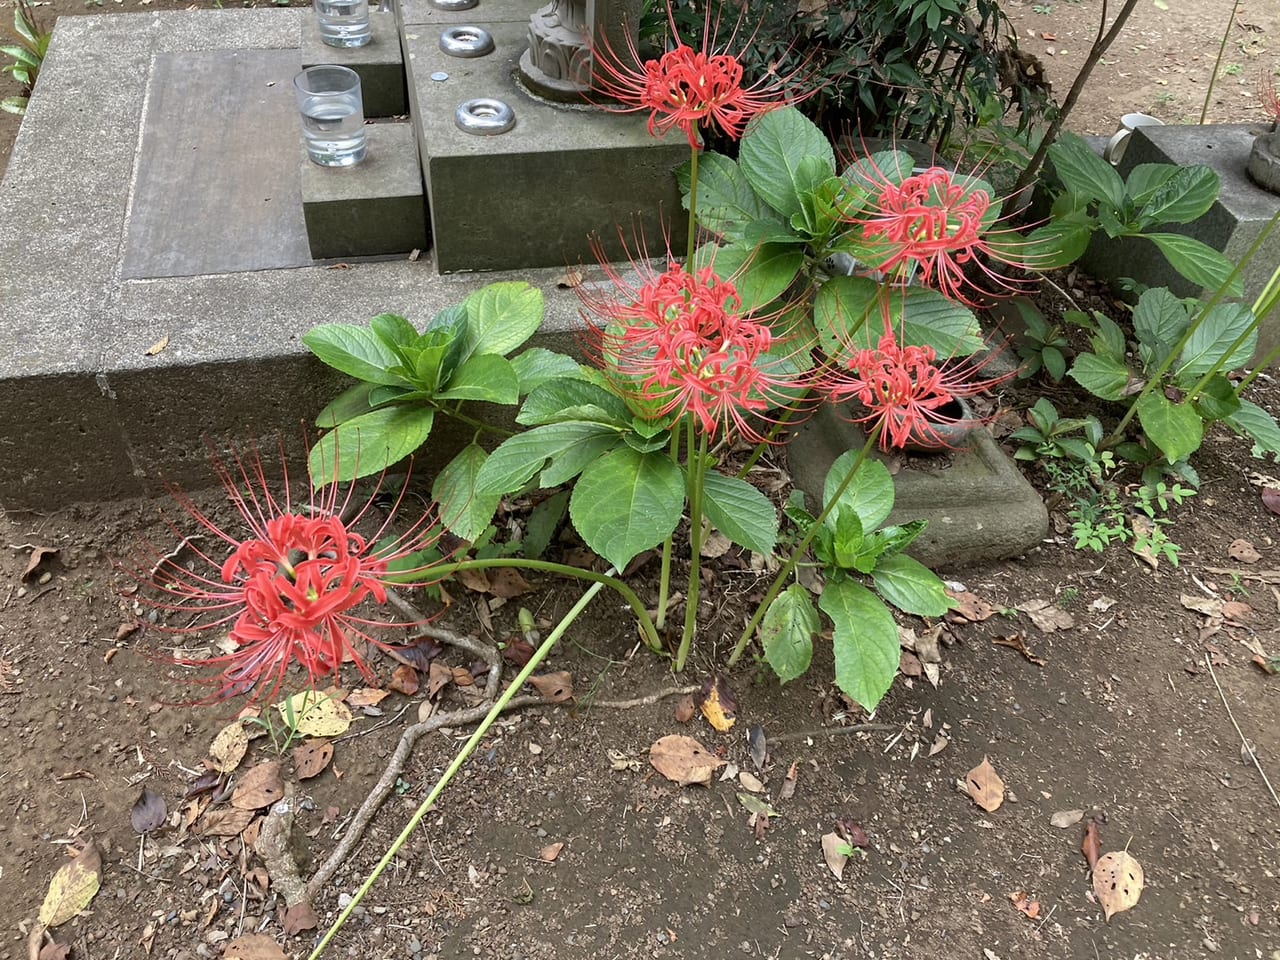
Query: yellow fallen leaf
x=228 y=747
x=315 y=714
x=718 y=704
x=72 y=887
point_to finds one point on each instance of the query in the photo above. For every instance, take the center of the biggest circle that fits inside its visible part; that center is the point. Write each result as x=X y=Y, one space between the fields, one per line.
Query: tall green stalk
x=664 y=577
x=798 y=553
x=461 y=758
x=1213 y=77
x=697 y=472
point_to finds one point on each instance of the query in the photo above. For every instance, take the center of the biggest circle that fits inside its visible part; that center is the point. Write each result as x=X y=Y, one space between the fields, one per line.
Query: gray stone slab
x=534 y=195
x=1231 y=226
x=421 y=13
x=977 y=504
x=379 y=62
x=211 y=116
x=374 y=208
x=88 y=413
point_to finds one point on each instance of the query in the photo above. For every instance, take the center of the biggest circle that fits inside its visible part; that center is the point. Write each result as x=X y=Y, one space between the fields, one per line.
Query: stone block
x=424 y=14
x=977 y=504
x=373 y=208
x=380 y=63
x=1231 y=226
x=534 y=195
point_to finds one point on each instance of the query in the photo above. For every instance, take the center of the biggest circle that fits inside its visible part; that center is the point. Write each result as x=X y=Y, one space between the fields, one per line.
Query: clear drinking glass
x=332 y=115
x=344 y=23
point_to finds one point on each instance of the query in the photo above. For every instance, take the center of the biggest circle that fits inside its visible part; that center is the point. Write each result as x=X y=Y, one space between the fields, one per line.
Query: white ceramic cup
x=1119 y=141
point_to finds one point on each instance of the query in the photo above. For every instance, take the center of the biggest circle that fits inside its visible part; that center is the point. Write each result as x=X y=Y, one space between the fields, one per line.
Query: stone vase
x=1264 y=161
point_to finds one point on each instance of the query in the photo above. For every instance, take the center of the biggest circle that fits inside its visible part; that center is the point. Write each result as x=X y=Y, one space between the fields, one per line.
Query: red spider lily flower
x=678 y=343
x=1270 y=97
x=907 y=392
x=688 y=88
x=293 y=589
x=936 y=222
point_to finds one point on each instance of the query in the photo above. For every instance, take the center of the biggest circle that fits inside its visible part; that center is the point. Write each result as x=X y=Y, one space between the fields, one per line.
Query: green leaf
x=347 y=405
x=543 y=522
x=1145 y=179
x=369 y=444
x=760 y=273
x=517 y=459
x=626 y=502
x=847 y=539
x=1198 y=262
x=726 y=202
x=560 y=400
x=848 y=316
x=464 y=511
x=865 y=641
x=1260 y=426
x=1211 y=340
x=1055 y=364
x=483 y=376
x=1101 y=376
x=784 y=154
x=1056 y=244
x=869 y=494
x=573 y=461
x=740 y=511
x=911 y=586
x=1085 y=173
x=537 y=365
x=1176 y=428
x=787 y=632
x=1218 y=400
x=356 y=351
x=502 y=316
x=393 y=330
x=1159 y=320
x=1187 y=195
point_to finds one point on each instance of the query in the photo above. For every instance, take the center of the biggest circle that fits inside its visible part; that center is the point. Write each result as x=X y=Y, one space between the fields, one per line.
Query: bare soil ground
x=1122 y=721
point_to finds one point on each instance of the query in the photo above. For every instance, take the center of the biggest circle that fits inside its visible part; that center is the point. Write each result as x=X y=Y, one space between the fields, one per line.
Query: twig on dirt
x=36 y=596
x=387 y=782
x=172 y=554
x=1208 y=659
x=638 y=701
x=1262 y=576
x=834 y=731
x=377 y=726
x=484 y=651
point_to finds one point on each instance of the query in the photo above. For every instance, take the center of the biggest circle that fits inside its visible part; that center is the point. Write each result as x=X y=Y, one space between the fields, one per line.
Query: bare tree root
x=638 y=701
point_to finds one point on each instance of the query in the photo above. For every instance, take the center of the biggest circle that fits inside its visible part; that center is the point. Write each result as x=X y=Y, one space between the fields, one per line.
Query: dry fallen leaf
x=758 y=746
x=506 y=582
x=1047 y=616
x=72 y=887
x=1014 y=641
x=149 y=812
x=750 y=782
x=969 y=607
x=1025 y=904
x=685 y=709
x=55 y=951
x=158 y=346
x=835 y=852
x=228 y=747
x=38 y=556
x=1091 y=845
x=683 y=760
x=310 y=758
x=789 y=784
x=404 y=679
x=1118 y=882
x=554 y=687
x=1243 y=551
x=260 y=787
x=317 y=714
x=1143 y=537
x=254 y=946
x=1271 y=499
x=985 y=786
x=223 y=822
x=550 y=852
x=718 y=703
x=299 y=917
x=1066 y=818
x=439 y=676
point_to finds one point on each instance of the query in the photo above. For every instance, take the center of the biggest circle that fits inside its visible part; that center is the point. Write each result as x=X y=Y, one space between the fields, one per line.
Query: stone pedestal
x=371 y=209
x=1264 y=161
x=1233 y=223
x=534 y=195
x=978 y=505
x=379 y=63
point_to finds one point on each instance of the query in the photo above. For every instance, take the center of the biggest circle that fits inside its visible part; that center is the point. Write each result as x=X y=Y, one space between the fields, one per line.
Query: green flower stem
x=1213 y=75
x=664 y=577
x=697 y=470
x=1267 y=301
x=479 y=425
x=693 y=204
x=794 y=560
x=462 y=756
x=779 y=425
x=1262 y=307
x=1118 y=434
x=443 y=570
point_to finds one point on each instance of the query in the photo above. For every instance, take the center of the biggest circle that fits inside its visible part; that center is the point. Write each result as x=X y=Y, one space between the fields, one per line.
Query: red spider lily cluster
x=679 y=344
x=906 y=392
x=687 y=88
x=293 y=589
x=1269 y=96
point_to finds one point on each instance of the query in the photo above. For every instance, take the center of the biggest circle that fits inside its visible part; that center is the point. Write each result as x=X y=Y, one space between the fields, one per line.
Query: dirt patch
x=1121 y=720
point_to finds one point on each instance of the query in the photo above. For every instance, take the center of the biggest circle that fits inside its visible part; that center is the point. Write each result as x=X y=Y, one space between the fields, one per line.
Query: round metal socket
x=484 y=117
x=466 y=41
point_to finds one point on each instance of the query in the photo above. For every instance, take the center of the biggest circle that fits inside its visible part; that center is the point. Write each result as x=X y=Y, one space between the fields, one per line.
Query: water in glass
x=344 y=23
x=333 y=127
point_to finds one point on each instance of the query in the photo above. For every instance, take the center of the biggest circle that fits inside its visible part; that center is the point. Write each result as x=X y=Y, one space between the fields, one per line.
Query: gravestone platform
x=1231 y=225
x=138 y=313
